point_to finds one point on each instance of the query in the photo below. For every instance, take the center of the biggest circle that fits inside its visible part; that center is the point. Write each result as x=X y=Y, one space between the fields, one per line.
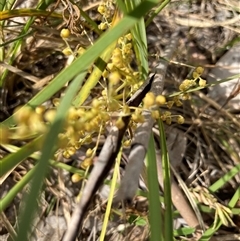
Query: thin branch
x=129 y=182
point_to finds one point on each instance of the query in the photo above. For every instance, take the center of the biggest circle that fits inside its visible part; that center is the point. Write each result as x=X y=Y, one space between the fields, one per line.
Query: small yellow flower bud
x=114 y=77
x=96 y=103
x=40 y=109
x=177 y=101
x=195 y=75
x=76 y=178
x=155 y=114
x=104 y=92
x=79 y=125
x=65 y=33
x=67 y=51
x=72 y=113
x=117 y=61
x=50 y=115
x=105 y=116
x=56 y=102
x=81 y=50
x=81 y=112
x=110 y=66
x=102 y=9
x=199 y=70
x=89 y=152
x=66 y=154
x=35 y=123
x=180 y=119
x=149 y=100
x=22 y=131
x=117 y=52
x=86 y=163
x=103 y=26
x=160 y=100
x=62 y=140
x=138 y=117
x=119 y=123
x=128 y=36
x=202 y=82
x=23 y=114
x=166 y=115
x=127 y=143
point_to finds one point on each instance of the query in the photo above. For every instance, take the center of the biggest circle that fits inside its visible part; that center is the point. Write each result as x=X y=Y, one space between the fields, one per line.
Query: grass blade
x=139 y=41
x=155 y=217
x=167 y=184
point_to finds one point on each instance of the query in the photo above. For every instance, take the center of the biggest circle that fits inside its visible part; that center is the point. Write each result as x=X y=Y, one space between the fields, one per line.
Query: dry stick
x=129 y=182
x=103 y=165
x=204 y=23
x=20 y=72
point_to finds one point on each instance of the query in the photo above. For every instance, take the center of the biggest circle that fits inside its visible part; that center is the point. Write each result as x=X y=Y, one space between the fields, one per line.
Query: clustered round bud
x=180 y=119
x=137 y=116
x=76 y=178
x=187 y=84
x=190 y=83
x=86 y=163
x=160 y=100
x=202 y=82
x=149 y=100
x=114 y=78
x=103 y=26
x=67 y=51
x=199 y=70
x=65 y=33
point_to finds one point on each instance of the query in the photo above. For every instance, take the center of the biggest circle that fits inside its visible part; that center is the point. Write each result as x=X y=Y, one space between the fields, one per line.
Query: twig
x=205 y=23
x=20 y=72
x=129 y=183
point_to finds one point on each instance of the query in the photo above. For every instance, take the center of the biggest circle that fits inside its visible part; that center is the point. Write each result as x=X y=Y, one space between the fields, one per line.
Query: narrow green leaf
x=155 y=216
x=184 y=231
x=139 y=41
x=6 y=200
x=167 y=184
x=13 y=159
x=157 y=11
x=224 y=179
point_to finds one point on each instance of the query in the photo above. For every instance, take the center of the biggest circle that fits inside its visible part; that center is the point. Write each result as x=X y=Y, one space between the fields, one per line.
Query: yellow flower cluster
x=80 y=125
x=187 y=84
x=105 y=9
x=151 y=101
x=190 y=83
